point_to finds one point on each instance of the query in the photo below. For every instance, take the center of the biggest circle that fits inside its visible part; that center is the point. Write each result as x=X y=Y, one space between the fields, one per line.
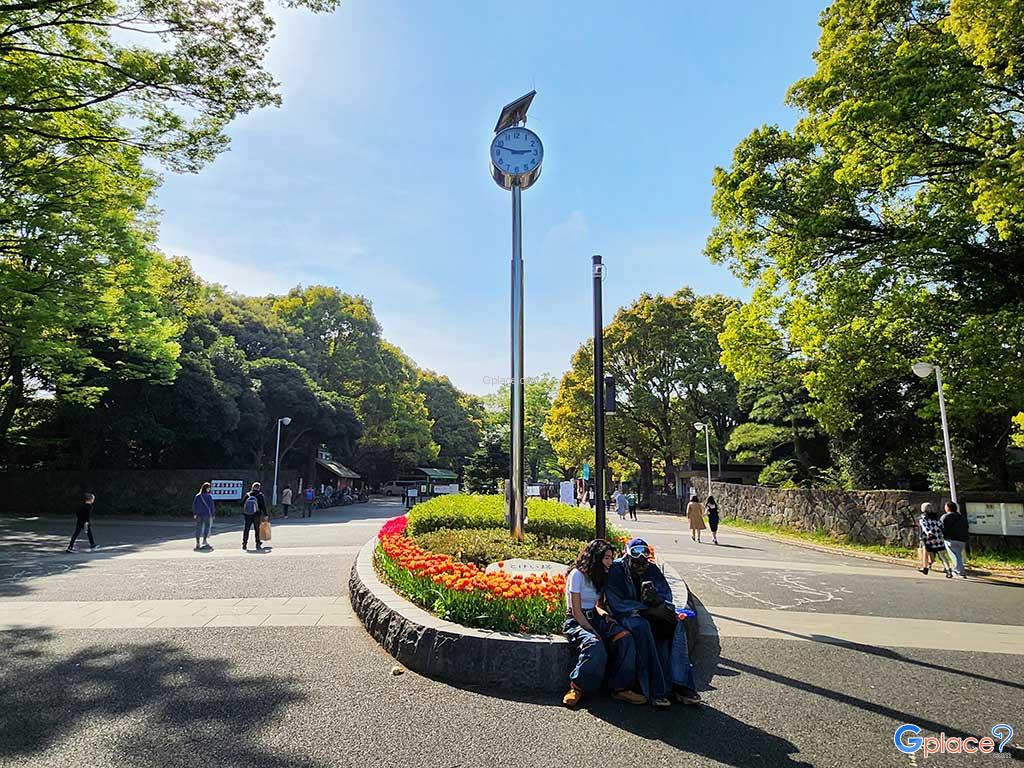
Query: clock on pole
x=516 y=157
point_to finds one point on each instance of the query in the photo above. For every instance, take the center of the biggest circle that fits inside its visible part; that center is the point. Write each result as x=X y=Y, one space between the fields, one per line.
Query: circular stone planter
x=508 y=662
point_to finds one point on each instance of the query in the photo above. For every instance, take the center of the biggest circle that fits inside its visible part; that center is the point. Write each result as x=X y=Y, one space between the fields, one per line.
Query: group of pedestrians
x=695 y=516
x=621 y=618
x=625 y=504
x=943 y=538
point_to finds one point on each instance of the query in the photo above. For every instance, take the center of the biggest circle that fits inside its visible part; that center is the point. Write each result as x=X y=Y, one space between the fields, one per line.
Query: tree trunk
x=646 y=480
x=15 y=397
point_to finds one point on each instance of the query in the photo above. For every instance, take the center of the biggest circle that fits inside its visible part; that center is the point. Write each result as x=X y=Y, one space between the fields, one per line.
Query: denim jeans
x=661 y=664
x=610 y=655
x=203 y=525
x=956 y=549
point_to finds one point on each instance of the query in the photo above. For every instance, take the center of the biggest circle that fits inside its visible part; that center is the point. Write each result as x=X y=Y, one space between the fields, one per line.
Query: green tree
x=170 y=73
x=488 y=466
x=538 y=396
x=886 y=227
x=457 y=419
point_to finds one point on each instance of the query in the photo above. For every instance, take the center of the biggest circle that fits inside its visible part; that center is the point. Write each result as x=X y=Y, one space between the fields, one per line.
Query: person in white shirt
x=588 y=627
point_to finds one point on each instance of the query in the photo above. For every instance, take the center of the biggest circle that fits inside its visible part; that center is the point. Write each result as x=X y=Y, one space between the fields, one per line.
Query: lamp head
x=923 y=369
x=286 y=420
x=699 y=425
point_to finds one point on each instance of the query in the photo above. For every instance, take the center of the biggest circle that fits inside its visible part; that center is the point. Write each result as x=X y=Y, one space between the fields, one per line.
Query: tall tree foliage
x=663 y=352
x=887 y=226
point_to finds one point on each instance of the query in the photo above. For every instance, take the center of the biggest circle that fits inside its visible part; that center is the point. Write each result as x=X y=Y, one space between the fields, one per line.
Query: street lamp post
x=924 y=370
x=700 y=425
x=277 y=455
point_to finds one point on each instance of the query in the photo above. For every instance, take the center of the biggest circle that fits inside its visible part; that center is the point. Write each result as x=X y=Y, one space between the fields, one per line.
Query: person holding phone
x=639 y=598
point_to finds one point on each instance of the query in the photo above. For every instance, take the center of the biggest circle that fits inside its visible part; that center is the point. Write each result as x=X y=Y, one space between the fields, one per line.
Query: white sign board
x=532 y=490
x=226 y=490
x=565 y=493
x=521 y=567
x=446 y=489
x=995 y=518
x=412 y=493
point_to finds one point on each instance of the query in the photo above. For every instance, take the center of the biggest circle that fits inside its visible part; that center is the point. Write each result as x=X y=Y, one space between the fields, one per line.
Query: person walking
x=309 y=496
x=254 y=506
x=84 y=520
x=712 y=508
x=933 y=546
x=955 y=532
x=286 y=499
x=631 y=498
x=621 y=504
x=695 y=514
x=202 y=511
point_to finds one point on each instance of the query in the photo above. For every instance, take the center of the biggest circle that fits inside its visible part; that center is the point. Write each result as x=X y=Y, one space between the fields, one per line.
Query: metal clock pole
x=516 y=157
x=517 y=501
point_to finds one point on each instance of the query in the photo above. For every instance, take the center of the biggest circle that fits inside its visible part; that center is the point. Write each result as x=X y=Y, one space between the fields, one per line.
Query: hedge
x=489 y=545
x=546 y=518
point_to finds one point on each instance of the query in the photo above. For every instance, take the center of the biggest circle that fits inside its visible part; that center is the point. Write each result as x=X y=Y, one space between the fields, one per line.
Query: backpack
x=252 y=506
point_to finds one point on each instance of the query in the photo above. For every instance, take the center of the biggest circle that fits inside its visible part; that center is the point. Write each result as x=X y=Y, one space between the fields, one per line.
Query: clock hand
x=513 y=151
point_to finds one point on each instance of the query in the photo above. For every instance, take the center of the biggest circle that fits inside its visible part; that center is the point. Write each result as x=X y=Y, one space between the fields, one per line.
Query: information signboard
x=226 y=490
x=995 y=518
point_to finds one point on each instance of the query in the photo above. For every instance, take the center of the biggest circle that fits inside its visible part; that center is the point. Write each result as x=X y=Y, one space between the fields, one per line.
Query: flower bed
x=463 y=593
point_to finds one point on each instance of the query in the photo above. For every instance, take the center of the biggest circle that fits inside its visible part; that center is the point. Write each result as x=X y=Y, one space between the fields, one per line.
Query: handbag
x=265 y=529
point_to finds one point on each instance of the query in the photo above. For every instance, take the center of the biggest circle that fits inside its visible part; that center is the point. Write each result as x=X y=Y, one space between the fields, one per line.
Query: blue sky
x=373 y=174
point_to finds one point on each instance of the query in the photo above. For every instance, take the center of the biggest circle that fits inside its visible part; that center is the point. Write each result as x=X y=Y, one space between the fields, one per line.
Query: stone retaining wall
x=866 y=517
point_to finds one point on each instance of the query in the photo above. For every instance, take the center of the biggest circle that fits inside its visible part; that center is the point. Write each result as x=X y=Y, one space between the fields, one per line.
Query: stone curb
x=995 y=578
x=442 y=650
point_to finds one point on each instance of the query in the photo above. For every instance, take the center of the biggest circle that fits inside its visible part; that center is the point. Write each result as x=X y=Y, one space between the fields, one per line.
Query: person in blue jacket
x=640 y=599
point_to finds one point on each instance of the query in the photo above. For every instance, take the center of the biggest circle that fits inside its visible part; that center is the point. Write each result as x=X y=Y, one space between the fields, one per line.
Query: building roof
x=438 y=474
x=338 y=469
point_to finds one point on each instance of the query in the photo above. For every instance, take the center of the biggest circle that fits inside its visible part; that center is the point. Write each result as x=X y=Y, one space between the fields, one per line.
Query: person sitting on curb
x=590 y=630
x=640 y=599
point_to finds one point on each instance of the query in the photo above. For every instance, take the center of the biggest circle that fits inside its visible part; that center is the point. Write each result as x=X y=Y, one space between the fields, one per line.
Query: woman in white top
x=589 y=628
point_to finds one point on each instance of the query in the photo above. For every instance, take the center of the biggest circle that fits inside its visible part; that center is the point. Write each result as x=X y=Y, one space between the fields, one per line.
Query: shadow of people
x=702 y=730
x=179 y=706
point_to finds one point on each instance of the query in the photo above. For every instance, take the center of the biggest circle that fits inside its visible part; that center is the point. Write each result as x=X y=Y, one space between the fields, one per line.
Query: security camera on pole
x=516 y=157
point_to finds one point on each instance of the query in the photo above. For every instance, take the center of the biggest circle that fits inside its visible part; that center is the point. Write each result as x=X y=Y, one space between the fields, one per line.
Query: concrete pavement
x=227 y=658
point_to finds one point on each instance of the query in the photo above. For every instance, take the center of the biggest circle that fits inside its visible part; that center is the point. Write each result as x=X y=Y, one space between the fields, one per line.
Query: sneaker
x=196 y=548
x=687 y=696
x=662 y=703
x=949 y=574
x=572 y=698
x=93 y=547
x=245 y=547
x=923 y=570
x=206 y=545
x=70 y=550
x=630 y=697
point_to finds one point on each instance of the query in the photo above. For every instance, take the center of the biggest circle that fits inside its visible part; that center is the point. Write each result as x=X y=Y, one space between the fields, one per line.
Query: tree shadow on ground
x=874 y=650
x=151 y=704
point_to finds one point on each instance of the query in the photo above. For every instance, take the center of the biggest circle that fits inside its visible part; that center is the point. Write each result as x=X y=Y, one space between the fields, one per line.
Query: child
x=84 y=521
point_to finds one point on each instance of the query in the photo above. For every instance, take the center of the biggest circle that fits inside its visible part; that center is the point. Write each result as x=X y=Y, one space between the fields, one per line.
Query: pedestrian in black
x=84 y=521
x=955 y=532
x=255 y=507
x=712 y=509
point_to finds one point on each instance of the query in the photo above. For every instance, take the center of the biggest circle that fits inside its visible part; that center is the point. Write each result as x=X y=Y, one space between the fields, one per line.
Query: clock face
x=516 y=151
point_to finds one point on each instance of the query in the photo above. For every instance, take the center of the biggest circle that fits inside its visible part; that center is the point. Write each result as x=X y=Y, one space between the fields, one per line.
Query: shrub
x=489 y=545
x=546 y=518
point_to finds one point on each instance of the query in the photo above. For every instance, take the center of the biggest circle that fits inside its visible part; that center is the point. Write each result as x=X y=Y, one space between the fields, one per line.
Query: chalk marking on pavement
x=328 y=610
x=895 y=572
x=879 y=631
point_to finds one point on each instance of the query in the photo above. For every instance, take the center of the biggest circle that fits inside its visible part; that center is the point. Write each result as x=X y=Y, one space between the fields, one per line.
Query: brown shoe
x=630 y=697
x=572 y=698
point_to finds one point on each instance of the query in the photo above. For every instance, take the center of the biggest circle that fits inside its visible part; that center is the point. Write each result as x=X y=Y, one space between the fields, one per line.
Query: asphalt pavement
x=315 y=696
